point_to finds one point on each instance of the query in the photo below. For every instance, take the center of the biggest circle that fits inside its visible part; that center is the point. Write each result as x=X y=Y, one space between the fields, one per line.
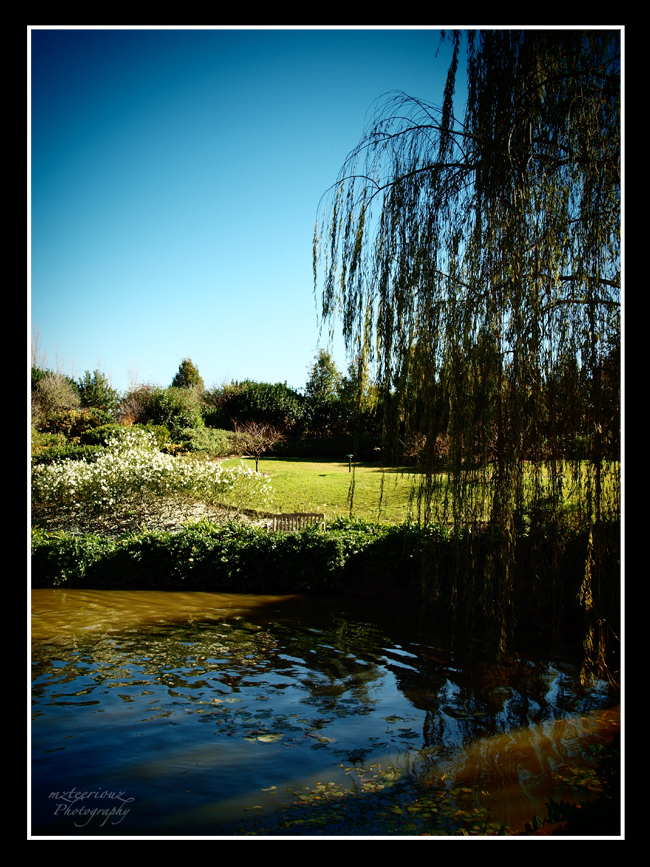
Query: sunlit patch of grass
x=326 y=486
x=390 y=494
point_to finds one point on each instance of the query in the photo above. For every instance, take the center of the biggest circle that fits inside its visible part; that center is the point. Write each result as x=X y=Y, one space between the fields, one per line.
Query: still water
x=203 y=714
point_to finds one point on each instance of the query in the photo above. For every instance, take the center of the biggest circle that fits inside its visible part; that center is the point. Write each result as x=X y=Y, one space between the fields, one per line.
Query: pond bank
x=447 y=575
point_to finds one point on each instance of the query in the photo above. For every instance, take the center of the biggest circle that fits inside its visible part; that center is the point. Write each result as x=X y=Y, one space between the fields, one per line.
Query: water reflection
x=193 y=704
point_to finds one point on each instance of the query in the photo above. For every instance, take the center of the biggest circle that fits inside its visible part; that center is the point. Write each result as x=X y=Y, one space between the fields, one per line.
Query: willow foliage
x=477 y=263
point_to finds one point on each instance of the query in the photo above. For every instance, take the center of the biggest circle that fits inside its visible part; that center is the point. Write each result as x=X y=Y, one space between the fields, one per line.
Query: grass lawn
x=325 y=486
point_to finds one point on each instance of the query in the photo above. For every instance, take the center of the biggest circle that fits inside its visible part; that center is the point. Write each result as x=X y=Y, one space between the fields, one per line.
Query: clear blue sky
x=175 y=180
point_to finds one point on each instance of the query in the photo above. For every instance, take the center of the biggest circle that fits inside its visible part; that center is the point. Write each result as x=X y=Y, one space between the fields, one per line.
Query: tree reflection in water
x=234 y=701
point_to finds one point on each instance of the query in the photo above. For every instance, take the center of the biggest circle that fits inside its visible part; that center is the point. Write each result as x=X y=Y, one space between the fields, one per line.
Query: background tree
x=275 y=404
x=357 y=398
x=322 y=394
x=188 y=376
x=472 y=256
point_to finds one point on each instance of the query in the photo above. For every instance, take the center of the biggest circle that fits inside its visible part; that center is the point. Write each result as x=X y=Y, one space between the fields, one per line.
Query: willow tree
x=477 y=263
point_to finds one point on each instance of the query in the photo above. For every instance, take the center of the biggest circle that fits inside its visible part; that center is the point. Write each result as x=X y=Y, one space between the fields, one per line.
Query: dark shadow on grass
x=373 y=466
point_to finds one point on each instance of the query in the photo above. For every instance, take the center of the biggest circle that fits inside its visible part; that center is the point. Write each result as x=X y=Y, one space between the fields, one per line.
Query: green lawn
x=301 y=485
x=324 y=486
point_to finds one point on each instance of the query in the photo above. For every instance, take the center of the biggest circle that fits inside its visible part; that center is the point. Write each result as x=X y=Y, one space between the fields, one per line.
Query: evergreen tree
x=321 y=393
x=188 y=376
x=96 y=393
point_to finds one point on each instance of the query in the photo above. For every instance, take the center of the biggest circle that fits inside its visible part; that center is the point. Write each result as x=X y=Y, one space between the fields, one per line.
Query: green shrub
x=73 y=423
x=204 y=556
x=249 y=401
x=67 y=452
x=49 y=447
x=218 y=443
x=42 y=441
x=174 y=408
x=99 y=435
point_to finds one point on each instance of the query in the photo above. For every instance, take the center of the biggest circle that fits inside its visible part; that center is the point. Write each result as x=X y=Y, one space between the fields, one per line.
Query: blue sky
x=175 y=180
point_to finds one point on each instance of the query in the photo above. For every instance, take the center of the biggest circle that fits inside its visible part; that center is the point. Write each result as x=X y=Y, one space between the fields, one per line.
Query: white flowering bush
x=132 y=484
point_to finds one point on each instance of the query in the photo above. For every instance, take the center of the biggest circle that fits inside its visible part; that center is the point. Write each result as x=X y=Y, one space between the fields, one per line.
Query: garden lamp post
x=350 y=463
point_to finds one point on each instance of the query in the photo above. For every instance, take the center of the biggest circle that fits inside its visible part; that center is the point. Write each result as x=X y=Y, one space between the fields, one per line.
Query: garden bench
x=294 y=520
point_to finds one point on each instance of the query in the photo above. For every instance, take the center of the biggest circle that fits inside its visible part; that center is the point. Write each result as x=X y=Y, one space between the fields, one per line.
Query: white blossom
x=132 y=483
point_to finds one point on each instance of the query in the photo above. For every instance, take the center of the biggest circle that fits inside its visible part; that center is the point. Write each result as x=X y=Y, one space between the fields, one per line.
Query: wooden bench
x=294 y=520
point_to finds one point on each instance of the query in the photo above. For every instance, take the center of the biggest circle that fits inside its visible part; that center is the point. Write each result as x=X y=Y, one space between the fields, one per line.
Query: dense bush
x=42 y=440
x=174 y=408
x=74 y=423
x=68 y=452
x=261 y=402
x=48 y=447
x=99 y=436
x=218 y=443
x=206 y=556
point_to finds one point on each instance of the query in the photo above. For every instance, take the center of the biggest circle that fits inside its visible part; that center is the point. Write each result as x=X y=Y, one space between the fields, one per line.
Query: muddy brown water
x=177 y=714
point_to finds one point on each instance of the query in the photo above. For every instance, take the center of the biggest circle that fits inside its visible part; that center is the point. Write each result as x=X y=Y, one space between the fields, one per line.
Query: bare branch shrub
x=256 y=438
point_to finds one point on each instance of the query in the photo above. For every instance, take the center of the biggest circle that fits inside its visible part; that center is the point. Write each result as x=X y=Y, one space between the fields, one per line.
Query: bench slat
x=288 y=521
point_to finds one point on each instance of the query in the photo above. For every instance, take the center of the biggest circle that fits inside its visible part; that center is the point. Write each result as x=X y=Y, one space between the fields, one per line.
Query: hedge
x=444 y=574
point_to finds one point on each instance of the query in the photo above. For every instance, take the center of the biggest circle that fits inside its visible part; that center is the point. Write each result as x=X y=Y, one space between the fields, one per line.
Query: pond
x=204 y=714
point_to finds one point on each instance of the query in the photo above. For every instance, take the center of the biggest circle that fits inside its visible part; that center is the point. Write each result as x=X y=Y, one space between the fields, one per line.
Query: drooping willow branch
x=478 y=264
